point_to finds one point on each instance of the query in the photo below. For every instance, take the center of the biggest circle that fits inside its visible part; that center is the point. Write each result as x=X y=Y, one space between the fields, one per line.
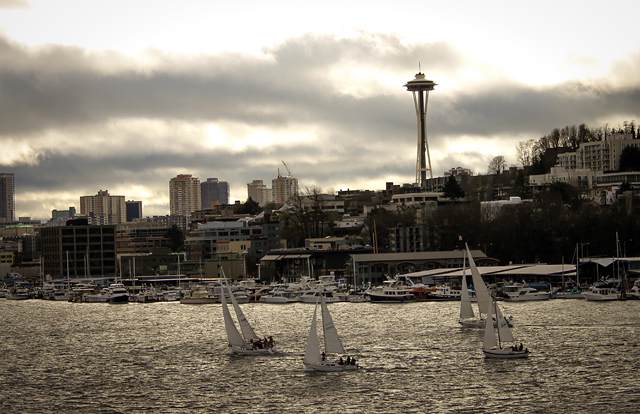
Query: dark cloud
x=77 y=113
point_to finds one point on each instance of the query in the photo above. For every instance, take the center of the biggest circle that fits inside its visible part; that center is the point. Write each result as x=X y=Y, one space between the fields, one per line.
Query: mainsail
x=489 y=332
x=482 y=293
x=332 y=344
x=503 y=327
x=312 y=353
x=247 y=330
x=466 y=311
x=235 y=339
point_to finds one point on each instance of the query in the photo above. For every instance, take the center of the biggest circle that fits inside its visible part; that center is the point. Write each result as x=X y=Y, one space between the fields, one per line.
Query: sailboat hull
x=250 y=351
x=505 y=353
x=327 y=366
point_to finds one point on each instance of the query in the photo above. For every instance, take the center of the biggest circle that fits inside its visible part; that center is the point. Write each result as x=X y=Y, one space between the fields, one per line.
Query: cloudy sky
x=126 y=94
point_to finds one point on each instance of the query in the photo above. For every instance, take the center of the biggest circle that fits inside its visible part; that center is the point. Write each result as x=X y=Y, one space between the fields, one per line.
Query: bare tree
x=497 y=164
x=525 y=151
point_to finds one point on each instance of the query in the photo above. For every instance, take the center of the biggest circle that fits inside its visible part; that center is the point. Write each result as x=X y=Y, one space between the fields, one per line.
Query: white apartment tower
x=259 y=192
x=107 y=209
x=184 y=195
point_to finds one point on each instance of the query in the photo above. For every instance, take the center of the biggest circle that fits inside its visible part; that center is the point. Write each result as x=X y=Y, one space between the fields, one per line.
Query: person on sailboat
x=341 y=362
x=348 y=360
x=324 y=356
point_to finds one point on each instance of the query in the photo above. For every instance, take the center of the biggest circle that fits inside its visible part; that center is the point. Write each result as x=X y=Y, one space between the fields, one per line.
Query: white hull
x=505 y=353
x=568 y=295
x=314 y=299
x=600 y=297
x=529 y=297
x=278 y=299
x=480 y=323
x=250 y=351
x=327 y=366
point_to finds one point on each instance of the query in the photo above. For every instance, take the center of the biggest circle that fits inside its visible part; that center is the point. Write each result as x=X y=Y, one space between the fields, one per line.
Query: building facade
x=79 y=251
x=259 y=192
x=283 y=189
x=184 y=195
x=104 y=208
x=134 y=210
x=598 y=155
x=7 y=197
x=214 y=192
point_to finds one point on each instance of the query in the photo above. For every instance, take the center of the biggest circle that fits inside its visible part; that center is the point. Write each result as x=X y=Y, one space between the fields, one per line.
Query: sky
x=124 y=95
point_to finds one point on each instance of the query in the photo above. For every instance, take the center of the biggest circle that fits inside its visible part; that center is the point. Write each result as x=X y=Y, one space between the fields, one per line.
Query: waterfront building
x=134 y=210
x=184 y=195
x=214 y=192
x=78 y=249
x=104 y=208
x=7 y=197
x=420 y=87
x=259 y=192
x=142 y=237
x=202 y=241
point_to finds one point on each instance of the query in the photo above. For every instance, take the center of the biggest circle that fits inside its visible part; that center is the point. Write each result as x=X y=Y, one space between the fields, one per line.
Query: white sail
x=247 y=330
x=332 y=344
x=233 y=335
x=312 y=353
x=466 y=311
x=482 y=293
x=503 y=327
x=489 y=332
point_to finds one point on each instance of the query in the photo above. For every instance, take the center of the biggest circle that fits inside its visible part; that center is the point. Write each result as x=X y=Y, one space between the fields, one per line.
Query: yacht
x=281 y=296
x=118 y=293
x=313 y=295
x=521 y=293
x=199 y=295
x=603 y=290
x=393 y=291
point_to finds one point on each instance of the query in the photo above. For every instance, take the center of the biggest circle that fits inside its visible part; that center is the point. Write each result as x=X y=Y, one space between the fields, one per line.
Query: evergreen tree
x=176 y=238
x=630 y=159
x=452 y=189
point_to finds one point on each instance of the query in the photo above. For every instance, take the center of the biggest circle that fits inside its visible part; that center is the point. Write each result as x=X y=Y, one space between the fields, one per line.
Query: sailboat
x=313 y=359
x=492 y=346
x=467 y=316
x=248 y=342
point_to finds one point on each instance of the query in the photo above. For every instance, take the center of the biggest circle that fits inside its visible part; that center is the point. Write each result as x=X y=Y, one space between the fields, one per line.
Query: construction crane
x=285 y=166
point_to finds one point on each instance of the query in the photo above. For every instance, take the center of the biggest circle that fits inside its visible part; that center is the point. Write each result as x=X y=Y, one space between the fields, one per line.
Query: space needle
x=420 y=86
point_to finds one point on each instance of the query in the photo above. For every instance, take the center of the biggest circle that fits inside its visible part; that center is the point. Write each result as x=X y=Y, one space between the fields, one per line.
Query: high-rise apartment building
x=283 y=188
x=104 y=208
x=214 y=192
x=259 y=192
x=597 y=155
x=184 y=195
x=7 y=197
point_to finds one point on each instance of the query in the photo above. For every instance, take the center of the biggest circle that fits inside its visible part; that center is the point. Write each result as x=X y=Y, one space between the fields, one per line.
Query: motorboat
x=117 y=293
x=603 y=290
x=313 y=295
x=392 y=291
x=525 y=293
x=199 y=295
x=281 y=296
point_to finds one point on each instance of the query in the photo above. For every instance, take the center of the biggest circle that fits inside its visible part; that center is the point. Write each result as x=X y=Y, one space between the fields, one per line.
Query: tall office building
x=259 y=192
x=184 y=195
x=134 y=210
x=104 y=208
x=7 y=197
x=214 y=192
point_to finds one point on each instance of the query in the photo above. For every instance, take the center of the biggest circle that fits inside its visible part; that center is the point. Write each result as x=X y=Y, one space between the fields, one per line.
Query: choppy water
x=171 y=358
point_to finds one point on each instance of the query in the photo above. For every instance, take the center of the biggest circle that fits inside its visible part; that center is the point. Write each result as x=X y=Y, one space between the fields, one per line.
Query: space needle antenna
x=420 y=87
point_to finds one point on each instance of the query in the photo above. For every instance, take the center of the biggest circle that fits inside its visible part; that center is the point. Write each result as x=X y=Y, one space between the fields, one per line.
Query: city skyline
x=185 y=89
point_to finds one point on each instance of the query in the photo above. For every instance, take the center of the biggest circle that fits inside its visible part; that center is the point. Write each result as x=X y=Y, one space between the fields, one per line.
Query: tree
x=525 y=151
x=249 y=207
x=630 y=159
x=497 y=164
x=452 y=189
x=176 y=238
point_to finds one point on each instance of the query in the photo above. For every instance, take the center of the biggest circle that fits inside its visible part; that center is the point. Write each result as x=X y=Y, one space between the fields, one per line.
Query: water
x=171 y=358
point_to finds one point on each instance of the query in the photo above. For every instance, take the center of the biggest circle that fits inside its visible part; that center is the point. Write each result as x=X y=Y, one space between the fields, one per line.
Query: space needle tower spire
x=420 y=87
